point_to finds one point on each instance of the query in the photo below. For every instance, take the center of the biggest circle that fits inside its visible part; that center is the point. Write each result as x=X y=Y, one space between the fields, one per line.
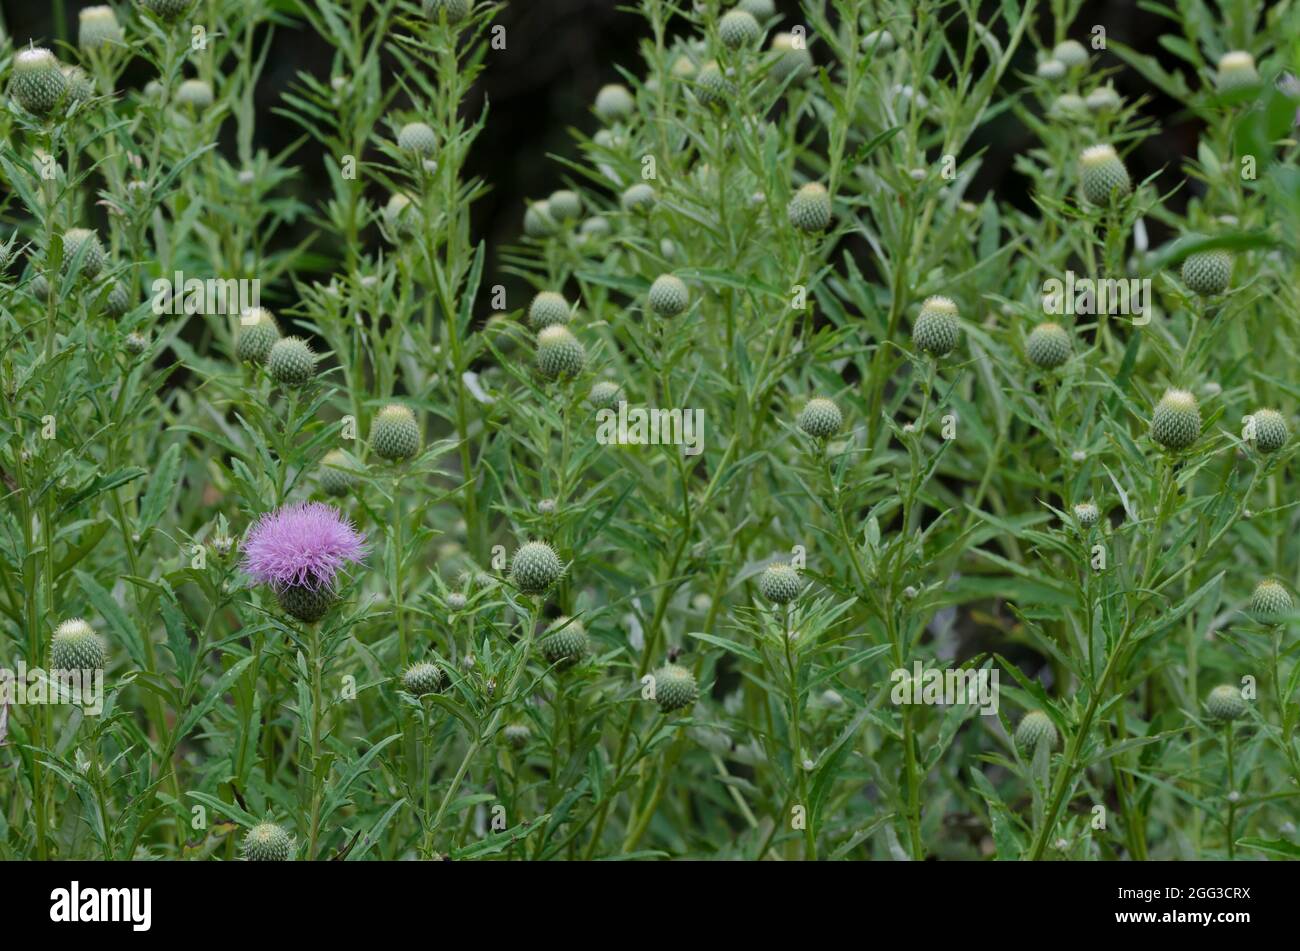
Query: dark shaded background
x=559 y=54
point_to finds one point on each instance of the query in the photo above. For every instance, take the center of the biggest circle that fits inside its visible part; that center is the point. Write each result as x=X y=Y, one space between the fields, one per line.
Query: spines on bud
x=39 y=84
x=257 y=335
x=820 y=418
x=75 y=646
x=669 y=296
x=548 y=309
x=565 y=642
x=780 y=583
x=1048 y=346
x=1208 y=272
x=738 y=28
x=640 y=198
x=417 y=138
x=1087 y=514
x=1176 y=421
x=535 y=567
x=675 y=687
x=1236 y=70
x=335 y=479
x=936 y=330
x=559 y=353
x=291 y=362
x=1270 y=430
x=1036 y=727
x=395 y=433
x=810 y=208
x=1271 y=602
x=1225 y=703
x=422 y=678
x=1102 y=175
x=83 y=242
x=614 y=103
x=267 y=842
x=97 y=26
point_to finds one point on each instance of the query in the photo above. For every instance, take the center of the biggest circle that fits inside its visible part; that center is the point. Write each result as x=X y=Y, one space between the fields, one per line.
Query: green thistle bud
x=38 y=83
x=758 y=9
x=1270 y=602
x=639 y=198
x=712 y=88
x=517 y=735
x=1176 y=422
x=790 y=59
x=422 y=678
x=40 y=288
x=335 y=479
x=605 y=394
x=402 y=216
x=75 y=240
x=535 y=567
x=614 y=103
x=169 y=11
x=559 y=353
x=1208 y=272
x=1051 y=69
x=196 y=94
x=118 y=301
x=674 y=687
x=417 y=137
x=780 y=583
x=881 y=41
x=1271 y=432
x=595 y=227
x=291 y=362
x=548 y=309
x=668 y=295
x=820 y=418
x=1103 y=175
x=738 y=28
x=304 y=603
x=1036 y=727
x=98 y=26
x=395 y=434
x=810 y=208
x=565 y=205
x=135 y=344
x=1048 y=346
x=1225 y=703
x=1069 y=105
x=936 y=330
x=257 y=335
x=565 y=642
x=1072 y=53
x=538 y=220
x=80 y=86
x=267 y=842
x=1086 y=514
x=1103 y=99
x=1236 y=71
x=75 y=646
x=454 y=10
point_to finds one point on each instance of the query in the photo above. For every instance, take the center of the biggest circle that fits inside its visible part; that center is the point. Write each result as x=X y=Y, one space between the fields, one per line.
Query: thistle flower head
x=454 y=10
x=1087 y=514
x=758 y=9
x=881 y=41
x=1036 y=727
x=1208 y=272
x=605 y=394
x=936 y=330
x=1048 y=346
x=291 y=362
x=780 y=583
x=1051 y=69
x=417 y=137
x=421 y=678
x=80 y=86
x=335 y=479
x=1103 y=99
x=712 y=87
x=517 y=735
x=75 y=646
x=548 y=309
x=639 y=198
x=1072 y=53
x=560 y=355
x=538 y=220
x=791 y=58
x=1225 y=703
x=1236 y=71
x=257 y=335
x=565 y=205
x=535 y=567
x=614 y=103
x=565 y=642
x=1102 y=175
x=38 y=83
x=303 y=545
x=395 y=433
x=267 y=842
x=738 y=28
x=675 y=687
x=196 y=94
x=98 y=26
x=83 y=242
x=1176 y=421
x=668 y=295
x=1270 y=602
x=1271 y=431
x=820 y=418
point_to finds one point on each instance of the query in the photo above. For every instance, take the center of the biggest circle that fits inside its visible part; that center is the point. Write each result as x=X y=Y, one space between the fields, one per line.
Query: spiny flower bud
x=417 y=137
x=779 y=583
x=1048 y=346
x=674 y=687
x=1051 y=69
x=257 y=335
x=936 y=330
x=267 y=842
x=738 y=28
x=395 y=434
x=565 y=643
x=1103 y=175
x=1236 y=71
x=820 y=418
x=614 y=103
x=1086 y=513
x=98 y=26
x=75 y=646
x=306 y=603
x=1270 y=601
x=40 y=288
x=401 y=215
x=1176 y=422
x=758 y=9
x=422 y=678
x=565 y=205
x=135 y=343
x=559 y=353
x=790 y=59
x=668 y=295
x=454 y=10
x=1103 y=99
x=196 y=94
x=535 y=567
x=605 y=394
x=517 y=735
x=595 y=227
x=1068 y=105
x=291 y=362
x=93 y=259
x=38 y=84
x=810 y=208
x=118 y=301
x=80 y=86
x=548 y=309
x=335 y=479
x=1208 y=272
x=538 y=221
x=1225 y=703
x=168 y=11
x=639 y=198
x=712 y=88
x=878 y=41
x=1271 y=431
x=1036 y=727
x=457 y=601
x=1071 y=53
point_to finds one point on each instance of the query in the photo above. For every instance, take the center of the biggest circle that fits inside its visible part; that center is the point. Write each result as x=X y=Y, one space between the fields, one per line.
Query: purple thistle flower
x=303 y=545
